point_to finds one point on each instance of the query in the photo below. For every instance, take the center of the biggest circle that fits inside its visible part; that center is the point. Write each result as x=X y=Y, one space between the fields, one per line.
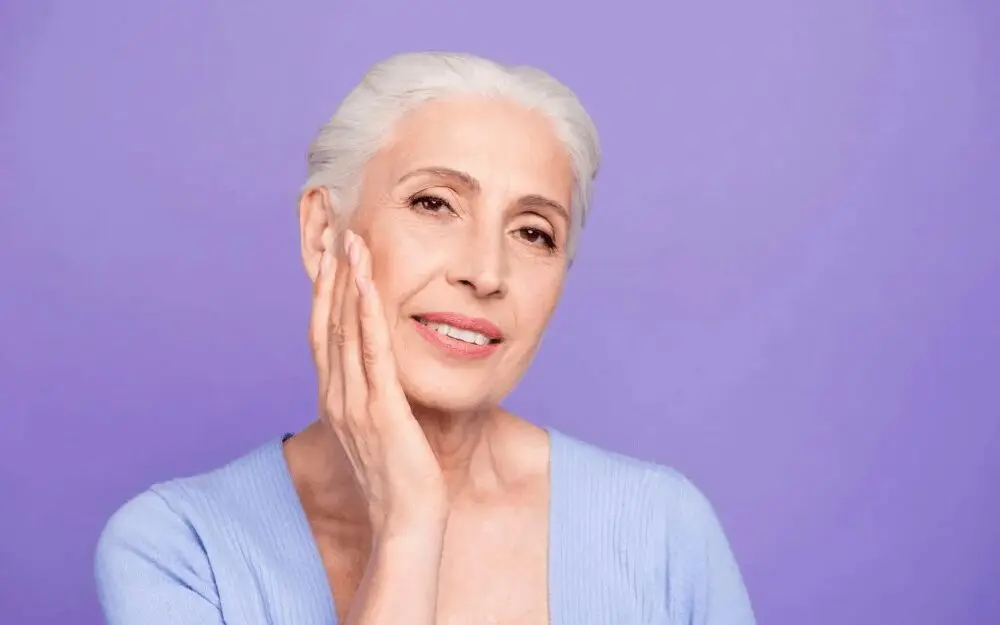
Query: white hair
x=399 y=84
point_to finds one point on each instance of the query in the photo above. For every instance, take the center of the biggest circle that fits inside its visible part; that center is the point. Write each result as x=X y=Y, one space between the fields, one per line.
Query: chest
x=495 y=575
x=494 y=571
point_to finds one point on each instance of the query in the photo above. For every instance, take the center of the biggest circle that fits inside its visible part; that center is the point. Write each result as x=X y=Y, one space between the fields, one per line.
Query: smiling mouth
x=464 y=334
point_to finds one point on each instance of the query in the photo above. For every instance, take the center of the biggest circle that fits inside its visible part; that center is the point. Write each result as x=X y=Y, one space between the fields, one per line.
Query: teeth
x=467 y=336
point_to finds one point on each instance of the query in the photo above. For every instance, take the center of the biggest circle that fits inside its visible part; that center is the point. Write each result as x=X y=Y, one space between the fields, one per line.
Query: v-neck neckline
x=302 y=533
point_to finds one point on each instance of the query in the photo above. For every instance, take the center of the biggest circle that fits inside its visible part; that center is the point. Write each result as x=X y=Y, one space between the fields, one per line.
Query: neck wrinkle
x=464 y=445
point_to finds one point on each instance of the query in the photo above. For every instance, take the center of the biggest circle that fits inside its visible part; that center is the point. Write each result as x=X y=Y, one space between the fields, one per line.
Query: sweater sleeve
x=717 y=594
x=151 y=568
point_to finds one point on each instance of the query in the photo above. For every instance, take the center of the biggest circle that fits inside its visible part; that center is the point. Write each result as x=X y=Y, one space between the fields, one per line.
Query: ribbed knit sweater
x=630 y=543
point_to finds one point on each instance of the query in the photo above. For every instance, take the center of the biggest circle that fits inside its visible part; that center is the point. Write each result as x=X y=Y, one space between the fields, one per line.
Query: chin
x=438 y=387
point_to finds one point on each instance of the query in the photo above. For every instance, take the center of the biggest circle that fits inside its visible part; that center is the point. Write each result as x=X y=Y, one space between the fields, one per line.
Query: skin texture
x=429 y=502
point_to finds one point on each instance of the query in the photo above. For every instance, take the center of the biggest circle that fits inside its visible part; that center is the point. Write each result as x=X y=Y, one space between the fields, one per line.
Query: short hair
x=401 y=83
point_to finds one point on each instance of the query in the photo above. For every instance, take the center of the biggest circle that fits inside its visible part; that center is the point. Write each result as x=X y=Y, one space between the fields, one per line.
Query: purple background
x=788 y=290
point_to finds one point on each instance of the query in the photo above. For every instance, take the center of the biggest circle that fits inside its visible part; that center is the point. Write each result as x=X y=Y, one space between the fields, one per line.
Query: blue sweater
x=630 y=543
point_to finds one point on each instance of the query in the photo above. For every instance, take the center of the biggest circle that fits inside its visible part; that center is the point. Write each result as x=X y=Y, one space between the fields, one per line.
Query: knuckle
x=337 y=334
x=315 y=337
x=370 y=354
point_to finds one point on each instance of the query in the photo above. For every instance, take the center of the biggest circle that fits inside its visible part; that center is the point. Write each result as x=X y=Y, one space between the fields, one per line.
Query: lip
x=454 y=347
x=456 y=320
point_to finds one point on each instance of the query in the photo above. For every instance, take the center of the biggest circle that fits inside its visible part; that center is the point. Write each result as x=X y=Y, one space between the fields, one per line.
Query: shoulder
x=165 y=535
x=666 y=523
x=646 y=487
x=234 y=487
x=148 y=534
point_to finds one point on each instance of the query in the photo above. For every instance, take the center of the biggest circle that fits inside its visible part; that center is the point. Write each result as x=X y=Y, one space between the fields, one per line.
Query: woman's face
x=466 y=214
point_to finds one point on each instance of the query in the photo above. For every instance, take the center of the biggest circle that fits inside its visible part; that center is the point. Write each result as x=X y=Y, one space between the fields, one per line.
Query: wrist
x=409 y=549
x=425 y=526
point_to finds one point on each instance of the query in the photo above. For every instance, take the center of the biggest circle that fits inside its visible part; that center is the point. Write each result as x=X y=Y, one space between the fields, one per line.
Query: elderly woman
x=442 y=210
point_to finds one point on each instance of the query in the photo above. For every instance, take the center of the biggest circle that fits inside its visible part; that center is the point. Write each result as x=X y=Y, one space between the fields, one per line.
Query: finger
x=376 y=345
x=352 y=369
x=322 y=302
x=335 y=335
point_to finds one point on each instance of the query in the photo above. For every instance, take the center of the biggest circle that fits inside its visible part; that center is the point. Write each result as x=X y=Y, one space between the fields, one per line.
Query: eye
x=536 y=236
x=430 y=204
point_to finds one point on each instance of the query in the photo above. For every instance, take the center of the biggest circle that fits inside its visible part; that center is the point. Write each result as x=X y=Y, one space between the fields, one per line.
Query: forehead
x=501 y=144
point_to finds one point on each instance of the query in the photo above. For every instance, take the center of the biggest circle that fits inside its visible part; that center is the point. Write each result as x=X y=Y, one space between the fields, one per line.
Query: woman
x=440 y=217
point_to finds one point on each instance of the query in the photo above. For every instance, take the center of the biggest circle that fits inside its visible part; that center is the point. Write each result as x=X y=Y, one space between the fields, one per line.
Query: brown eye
x=535 y=236
x=430 y=204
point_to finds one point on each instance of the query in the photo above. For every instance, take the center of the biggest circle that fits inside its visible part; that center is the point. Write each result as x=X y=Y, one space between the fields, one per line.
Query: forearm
x=400 y=585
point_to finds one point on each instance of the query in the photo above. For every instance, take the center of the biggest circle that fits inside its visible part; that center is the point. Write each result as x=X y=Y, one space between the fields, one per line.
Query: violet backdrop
x=788 y=289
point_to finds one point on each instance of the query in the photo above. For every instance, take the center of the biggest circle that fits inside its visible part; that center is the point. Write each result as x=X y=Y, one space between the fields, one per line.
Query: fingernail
x=355 y=252
x=327 y=261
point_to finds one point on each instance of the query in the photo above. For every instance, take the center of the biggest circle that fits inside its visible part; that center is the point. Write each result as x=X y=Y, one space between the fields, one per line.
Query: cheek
x=402 y=262
x=538 y=294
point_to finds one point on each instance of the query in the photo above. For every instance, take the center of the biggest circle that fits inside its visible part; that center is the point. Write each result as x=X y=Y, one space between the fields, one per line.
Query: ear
x=315 y=216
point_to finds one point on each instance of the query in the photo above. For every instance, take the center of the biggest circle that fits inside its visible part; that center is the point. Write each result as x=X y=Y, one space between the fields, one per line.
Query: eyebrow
x=463 y=179
x=470 y=184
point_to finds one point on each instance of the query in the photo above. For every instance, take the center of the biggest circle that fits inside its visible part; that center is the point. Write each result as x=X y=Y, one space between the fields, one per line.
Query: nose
x=481 y=266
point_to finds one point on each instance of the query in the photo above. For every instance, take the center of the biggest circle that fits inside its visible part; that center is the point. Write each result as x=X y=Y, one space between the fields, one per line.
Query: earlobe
x=315 y=216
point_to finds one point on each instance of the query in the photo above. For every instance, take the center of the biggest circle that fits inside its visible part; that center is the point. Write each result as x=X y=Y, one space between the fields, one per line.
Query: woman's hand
x=362 y=400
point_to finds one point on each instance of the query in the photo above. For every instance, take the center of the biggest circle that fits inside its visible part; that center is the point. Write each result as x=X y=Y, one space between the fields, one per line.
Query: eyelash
x=547 y=242
x=421 y=202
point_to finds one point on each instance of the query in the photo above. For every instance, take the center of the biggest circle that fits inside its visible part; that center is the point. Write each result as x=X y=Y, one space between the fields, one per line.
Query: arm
x=150 y=568
x=718 y=595
x=401 y=582
x=393 y=462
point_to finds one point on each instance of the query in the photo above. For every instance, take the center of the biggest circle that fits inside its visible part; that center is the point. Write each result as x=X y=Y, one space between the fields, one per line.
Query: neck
x=459 y=442
x=464 y=445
